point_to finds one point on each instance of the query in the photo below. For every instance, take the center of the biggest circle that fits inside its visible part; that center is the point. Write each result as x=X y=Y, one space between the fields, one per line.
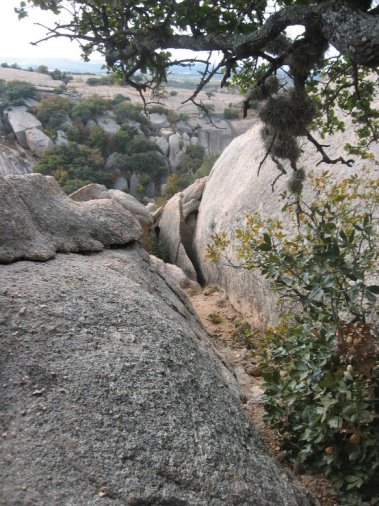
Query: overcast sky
x=15 y=35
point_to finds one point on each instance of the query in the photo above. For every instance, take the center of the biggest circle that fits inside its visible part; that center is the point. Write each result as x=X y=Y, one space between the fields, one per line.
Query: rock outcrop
x=37 y=141
x=12 y=163
x=234 y=189
x=27 y=129
x=19 y=120
x=111 y=390
x=37 y=220
x=176 y=227
x=98 y=191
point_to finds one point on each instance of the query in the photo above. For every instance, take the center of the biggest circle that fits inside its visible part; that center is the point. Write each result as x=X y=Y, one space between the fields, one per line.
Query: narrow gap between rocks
x=236 y=340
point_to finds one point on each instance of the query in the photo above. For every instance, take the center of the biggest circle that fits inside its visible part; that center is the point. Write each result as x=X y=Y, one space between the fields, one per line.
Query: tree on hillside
x=254 y=47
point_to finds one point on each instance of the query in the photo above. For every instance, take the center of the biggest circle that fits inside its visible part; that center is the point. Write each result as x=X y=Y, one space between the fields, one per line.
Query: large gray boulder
x=19 y=120
x=108 y=124
x=158 y=120
x=96 y=191
x=113 y=395
x=37 y=141
x=12 y=163
x=37 y=220
x=215 y=138
x=234 y=190
x=176 y=226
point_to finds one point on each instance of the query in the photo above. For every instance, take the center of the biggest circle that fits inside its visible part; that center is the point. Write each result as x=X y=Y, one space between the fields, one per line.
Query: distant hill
x=95 y=67
x=75 y=66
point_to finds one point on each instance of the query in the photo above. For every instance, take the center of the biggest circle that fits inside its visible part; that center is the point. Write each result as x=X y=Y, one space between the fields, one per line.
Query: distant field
x=176 y=93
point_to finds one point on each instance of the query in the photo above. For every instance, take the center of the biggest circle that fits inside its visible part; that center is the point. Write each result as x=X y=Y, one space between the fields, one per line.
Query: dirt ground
x=220 y=99
x=231 y=333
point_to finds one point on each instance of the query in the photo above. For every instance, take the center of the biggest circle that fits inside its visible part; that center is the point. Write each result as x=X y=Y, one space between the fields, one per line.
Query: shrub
x=320 y=364
x=231 y=113
x=117 y=99
x=140 y=145
x=173 y=93
x=195 y=151
x=108 y=80
x=123 y=138
x=15 y=91
x=52 y=112
x=127 y=111
x=151 y=163
x=90 y=108
x=73 y=165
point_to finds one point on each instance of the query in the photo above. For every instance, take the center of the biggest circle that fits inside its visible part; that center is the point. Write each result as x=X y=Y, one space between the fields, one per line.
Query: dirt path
x=235 y=340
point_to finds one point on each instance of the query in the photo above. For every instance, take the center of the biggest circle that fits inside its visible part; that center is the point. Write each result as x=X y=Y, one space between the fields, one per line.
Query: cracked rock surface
x=112 y=393
x=37 y=220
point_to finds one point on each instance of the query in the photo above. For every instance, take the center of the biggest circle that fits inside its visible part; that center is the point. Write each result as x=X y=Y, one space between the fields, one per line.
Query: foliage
x=91 y=108
x=60 y=75
x=73 y=166
x=254 y=47
x=157 y=247
x=108 y=80
x=176 y=183
x=149 y=163
x=321 y=371
x=195 y=151
x=14 y=93
x=126 y=111
x=53 y=112
x=192 y=159
x=231 y=113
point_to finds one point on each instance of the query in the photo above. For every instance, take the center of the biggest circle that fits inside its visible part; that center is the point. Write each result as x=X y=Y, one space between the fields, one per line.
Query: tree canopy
x=331 y=62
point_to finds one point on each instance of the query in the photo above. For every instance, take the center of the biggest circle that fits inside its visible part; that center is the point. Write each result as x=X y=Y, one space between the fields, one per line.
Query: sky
x=15 y=35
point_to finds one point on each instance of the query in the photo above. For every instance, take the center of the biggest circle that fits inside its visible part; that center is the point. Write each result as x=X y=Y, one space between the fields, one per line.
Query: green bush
x=14 y=93
x=126 y=111
x=321 y=364
x=108 y=80
x=231 y=113
x=91 y=108
x=151 y=163
x=73 y=165
x=52 y=112
x=206 y=166
x=195 y=151
x=117 y=99
x=123 y=137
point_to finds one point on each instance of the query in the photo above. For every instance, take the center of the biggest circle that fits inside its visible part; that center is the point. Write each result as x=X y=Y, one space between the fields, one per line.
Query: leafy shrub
x=73 y=166
x=108 y=80
x=14 y=93
x=206 y=166
x=126 y=111
x=231 y=113
x=195 y=151
x=117 y=99
x=53 y=112
x=123 y=138
x=173 y=93
x=176 y=183
x=91 y=108
x=150 y=163
x=140 y=145
x=321 y=364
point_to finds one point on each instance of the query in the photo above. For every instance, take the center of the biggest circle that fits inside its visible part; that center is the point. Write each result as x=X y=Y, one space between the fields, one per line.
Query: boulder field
x=111 y=392
x=234 y=189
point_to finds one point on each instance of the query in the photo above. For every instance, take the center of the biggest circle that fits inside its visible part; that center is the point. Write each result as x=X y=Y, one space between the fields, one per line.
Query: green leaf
x=373 y=289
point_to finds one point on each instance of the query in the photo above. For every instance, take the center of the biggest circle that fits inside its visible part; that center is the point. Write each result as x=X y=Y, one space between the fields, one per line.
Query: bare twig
x=325 y=157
